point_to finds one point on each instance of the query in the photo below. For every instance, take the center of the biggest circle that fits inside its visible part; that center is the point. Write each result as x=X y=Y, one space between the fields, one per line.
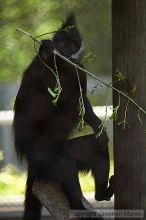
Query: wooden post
x=129 y=58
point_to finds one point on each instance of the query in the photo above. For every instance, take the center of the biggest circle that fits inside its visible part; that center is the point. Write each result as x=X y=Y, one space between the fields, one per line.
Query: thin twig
x=107 y=85
x=29 y=35
x=139 y=118
x=124 y=122
x=81 y=105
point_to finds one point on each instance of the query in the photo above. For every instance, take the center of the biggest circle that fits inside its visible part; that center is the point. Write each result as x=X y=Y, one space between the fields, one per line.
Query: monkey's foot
x=108 y=193
x=102 y=197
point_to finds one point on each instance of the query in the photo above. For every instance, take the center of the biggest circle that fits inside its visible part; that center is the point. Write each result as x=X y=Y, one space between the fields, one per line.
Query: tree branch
x=87 y=72
x=54 y=199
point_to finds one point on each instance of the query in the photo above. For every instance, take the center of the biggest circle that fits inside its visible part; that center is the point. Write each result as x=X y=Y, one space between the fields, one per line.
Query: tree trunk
x=129 y=58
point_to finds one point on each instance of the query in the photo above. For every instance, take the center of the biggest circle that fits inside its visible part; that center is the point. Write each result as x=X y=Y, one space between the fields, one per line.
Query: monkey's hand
x=46 y=49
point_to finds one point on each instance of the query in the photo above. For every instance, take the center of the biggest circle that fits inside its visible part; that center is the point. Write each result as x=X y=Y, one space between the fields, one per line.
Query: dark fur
x=41 y=129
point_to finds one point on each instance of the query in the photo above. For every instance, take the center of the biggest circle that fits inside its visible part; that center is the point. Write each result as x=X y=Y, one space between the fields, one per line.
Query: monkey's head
x=68 y=40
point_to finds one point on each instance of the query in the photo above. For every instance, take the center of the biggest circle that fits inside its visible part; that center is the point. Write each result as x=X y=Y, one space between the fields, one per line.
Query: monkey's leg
x=100 y=171
x=90 y=155
x=32 y=205
x=65 y=172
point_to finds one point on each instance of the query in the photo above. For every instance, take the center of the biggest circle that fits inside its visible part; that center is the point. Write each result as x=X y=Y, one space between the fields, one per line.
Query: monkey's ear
x=70 y=21
x=69 y=29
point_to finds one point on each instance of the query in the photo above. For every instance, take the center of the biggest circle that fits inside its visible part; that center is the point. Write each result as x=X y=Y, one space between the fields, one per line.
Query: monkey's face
x=66 y=47
x=68 y=40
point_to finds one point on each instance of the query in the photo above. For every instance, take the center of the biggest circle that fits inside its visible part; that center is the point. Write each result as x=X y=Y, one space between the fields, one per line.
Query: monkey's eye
x=60 y=44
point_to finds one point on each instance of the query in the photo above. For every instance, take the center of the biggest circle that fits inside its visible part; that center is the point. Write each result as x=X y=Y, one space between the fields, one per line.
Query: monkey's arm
x=94 y=122
x=90 y=117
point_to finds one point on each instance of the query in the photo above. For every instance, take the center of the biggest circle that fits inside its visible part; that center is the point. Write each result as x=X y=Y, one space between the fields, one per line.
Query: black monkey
x=42 y=129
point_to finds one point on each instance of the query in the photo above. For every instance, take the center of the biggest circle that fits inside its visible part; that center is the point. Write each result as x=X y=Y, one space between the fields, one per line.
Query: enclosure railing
x=6 y=117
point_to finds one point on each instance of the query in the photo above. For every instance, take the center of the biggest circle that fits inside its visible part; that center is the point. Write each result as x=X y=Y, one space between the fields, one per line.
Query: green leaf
x=52 y=93
x=90 y=57
x=120 y=76
x=114 y=116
